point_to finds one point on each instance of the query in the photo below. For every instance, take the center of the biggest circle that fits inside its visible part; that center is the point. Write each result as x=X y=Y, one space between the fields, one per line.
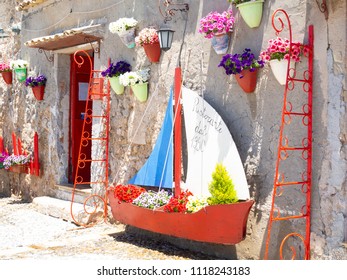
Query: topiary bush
x=221 y=187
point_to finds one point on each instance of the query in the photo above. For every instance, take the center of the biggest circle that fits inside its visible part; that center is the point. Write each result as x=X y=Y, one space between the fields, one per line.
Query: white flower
x=195 y=203
x=132 y=78
x=19 y=63
x=122 y=25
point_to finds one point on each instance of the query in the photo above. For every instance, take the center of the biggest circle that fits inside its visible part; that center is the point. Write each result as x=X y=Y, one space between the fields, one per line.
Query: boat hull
x=220 y=224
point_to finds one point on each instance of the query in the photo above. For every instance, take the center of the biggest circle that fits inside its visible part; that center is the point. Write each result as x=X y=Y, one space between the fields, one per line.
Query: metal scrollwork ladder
x=291 y=197
x=98 y=90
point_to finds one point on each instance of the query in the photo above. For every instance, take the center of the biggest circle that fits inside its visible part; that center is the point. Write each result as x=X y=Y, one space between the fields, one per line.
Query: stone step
x=62 y=209
x=64 y=192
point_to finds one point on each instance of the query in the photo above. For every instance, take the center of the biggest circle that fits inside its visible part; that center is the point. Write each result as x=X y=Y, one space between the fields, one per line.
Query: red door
x=79 y=81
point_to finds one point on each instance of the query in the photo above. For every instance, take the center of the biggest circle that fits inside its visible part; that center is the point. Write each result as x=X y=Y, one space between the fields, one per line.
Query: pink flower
x=215 y=23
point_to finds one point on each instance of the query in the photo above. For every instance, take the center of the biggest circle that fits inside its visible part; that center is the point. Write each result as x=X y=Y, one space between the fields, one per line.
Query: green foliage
x=221 y=188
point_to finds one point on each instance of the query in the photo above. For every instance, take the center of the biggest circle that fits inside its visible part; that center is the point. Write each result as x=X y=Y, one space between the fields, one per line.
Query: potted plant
x=17 y=163
x=279 y=55
x=149 y=40
x=138 y=81
x=217 y=26
x=6 y=72
x=113 y=72
x=37 y=84
x=125 y=28
x=251 y=11
x=244 y=66
x=20 y=69
x=221 y=187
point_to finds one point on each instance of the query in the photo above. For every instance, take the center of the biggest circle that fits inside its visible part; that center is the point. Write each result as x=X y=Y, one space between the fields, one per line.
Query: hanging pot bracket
x=50 y=58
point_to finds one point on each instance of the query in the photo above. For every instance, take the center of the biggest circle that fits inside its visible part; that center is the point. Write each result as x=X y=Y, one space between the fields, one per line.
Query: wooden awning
x=25 y=5
x=68 y=38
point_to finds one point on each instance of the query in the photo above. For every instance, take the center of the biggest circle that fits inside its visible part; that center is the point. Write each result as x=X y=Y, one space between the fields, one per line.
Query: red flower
x=127 y=193
x=178 y=204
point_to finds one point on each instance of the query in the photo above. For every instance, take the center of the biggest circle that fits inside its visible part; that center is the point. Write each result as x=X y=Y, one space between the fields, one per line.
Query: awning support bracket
x=97 y=49
x=49 y=58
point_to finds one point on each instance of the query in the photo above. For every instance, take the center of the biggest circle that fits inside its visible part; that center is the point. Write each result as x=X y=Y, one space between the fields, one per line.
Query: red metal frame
x=87 y=139
x=304 y=151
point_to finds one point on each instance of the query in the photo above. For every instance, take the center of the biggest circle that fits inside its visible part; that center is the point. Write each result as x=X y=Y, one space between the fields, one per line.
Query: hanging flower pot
x=116 y=86
x=220 y=43
x=152 y=51
x=37 y=84
x=140 y=91
x=21 y=74
x=128 y=37
x=7 y=76
x=251 y=12
x=149 y=39
x=247 y=80
x=125 y=28
x=245 y=68
x=39 y=92
x=279 y=69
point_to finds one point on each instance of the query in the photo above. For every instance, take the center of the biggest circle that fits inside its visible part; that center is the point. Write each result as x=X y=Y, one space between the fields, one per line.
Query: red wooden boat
x=220 y=224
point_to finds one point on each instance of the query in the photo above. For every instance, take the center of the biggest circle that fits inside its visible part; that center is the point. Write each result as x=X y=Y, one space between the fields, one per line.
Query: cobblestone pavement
x=28 y=234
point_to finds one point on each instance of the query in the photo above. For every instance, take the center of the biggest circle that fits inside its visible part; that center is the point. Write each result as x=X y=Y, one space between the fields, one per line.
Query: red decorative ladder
x=97 y=92
x=291 y=198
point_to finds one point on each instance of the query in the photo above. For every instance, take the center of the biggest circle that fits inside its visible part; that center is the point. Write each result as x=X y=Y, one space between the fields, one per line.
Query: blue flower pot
x=220 y=43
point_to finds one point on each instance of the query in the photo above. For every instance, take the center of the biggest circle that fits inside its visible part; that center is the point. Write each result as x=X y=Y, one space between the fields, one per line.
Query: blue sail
x=158 y=169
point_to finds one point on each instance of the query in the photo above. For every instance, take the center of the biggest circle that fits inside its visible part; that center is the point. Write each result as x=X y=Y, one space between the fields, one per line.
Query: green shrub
x=221 y=187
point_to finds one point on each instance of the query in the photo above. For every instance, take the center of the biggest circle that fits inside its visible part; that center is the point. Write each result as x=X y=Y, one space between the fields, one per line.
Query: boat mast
x=178 y=115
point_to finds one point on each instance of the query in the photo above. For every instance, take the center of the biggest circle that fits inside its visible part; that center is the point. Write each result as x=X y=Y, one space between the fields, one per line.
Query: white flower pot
x=279 y=69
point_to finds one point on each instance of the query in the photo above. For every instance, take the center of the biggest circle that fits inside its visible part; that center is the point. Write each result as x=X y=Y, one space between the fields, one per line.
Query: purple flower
x=119 y=68
x=36 y=81
x=235 y=63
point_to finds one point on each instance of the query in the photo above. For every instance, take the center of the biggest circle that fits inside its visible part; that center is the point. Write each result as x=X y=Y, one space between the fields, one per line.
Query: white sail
x=209 y=142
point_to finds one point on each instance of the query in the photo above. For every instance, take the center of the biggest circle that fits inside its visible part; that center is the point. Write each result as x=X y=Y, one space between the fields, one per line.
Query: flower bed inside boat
x=222 y=224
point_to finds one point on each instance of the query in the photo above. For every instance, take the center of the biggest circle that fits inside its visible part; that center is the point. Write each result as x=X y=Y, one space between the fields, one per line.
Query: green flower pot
x=140 y=91
x=116 y=86
x=21 y=74
x=251 y=12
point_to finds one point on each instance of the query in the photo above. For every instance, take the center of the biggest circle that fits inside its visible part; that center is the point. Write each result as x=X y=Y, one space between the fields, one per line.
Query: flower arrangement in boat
x=278 y=48
x=146 y=36
x=236 y=63
x=178 y=204
x=195 y=203
x=127 y=193
x=34 y=81
x=115 y=70
x=12 y=160
x=135 y=77
x=5 y=67
x=216 y=23
x=122 y=25
x=152 y=200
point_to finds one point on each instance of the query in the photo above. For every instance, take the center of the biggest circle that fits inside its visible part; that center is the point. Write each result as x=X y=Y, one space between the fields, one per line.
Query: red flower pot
x=248 y=82
x=7 y=76
x=39 y=91
x=152 y=51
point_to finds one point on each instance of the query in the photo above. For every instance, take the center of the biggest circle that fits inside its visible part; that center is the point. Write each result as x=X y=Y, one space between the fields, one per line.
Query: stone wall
x=253 y=119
